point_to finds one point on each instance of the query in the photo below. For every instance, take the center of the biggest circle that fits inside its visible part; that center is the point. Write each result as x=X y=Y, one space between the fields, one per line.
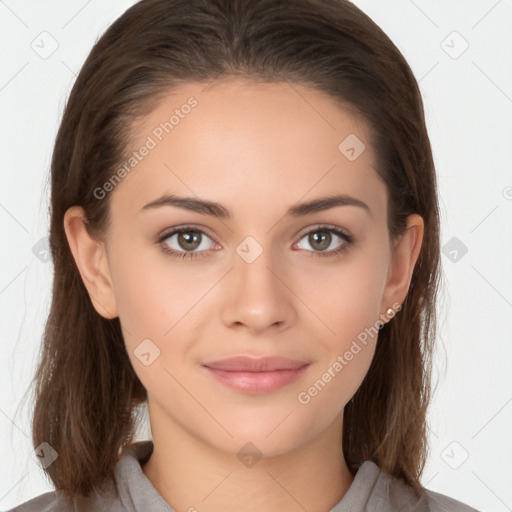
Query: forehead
x=255 y=142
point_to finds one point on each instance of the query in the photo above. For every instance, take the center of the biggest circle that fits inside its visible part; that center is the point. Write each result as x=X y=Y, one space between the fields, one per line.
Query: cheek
x=153 y=311
x=152 y=292
x=342 y=299
x=348 y=309
x=160 y=306
x=334 y=381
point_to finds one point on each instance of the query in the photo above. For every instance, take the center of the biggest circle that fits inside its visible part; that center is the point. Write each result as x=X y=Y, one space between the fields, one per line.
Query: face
x=253 y=275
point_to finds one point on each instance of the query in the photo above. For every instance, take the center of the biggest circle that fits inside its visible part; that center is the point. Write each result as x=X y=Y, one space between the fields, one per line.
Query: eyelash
x=348 y=241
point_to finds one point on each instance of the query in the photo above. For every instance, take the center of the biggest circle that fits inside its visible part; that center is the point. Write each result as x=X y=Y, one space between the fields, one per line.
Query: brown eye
x=189 y=240
x=186 y=242
x=321 y=238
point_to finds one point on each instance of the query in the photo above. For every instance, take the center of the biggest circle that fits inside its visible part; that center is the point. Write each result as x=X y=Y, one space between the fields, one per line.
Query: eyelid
x=166 y=233
x=327 y=227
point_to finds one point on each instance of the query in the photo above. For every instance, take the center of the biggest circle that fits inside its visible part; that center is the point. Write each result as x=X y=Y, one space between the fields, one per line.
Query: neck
x=194 y=476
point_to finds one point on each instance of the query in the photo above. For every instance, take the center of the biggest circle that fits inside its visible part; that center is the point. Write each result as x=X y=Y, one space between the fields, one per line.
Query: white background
x=468 y=102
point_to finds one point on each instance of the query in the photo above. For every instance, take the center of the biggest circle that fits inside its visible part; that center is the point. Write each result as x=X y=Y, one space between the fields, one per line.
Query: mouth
x=256 y=376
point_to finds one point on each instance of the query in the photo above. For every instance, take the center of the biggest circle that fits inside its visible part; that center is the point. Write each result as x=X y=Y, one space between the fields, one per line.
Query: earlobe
x=92 y=263
x=407 y=250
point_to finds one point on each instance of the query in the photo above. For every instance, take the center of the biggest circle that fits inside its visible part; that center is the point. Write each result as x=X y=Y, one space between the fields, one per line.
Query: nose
x=258 y=296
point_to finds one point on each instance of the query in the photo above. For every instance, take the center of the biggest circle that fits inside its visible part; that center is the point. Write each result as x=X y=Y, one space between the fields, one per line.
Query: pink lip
x=261 y=375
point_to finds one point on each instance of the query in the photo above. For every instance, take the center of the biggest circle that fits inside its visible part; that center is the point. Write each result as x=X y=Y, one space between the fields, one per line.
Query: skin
x=257 y=149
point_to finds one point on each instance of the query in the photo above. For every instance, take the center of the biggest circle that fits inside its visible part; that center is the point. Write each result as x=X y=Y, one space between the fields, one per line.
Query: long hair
x=329 y=45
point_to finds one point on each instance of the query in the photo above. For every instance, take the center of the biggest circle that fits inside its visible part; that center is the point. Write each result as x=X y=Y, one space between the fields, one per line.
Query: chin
x=263 y=439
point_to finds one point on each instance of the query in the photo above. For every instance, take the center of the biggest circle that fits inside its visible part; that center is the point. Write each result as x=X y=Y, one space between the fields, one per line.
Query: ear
x=407 y=250
x=91 y=259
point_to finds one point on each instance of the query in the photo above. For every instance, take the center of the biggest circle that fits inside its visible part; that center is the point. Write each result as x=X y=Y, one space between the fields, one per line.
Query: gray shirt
x=371 y=491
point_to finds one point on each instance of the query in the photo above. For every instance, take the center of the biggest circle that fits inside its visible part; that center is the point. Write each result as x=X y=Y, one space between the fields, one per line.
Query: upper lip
x=249 y=364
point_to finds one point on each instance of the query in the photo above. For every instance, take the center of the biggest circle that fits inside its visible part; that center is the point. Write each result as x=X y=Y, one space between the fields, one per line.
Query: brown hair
x=329 y=45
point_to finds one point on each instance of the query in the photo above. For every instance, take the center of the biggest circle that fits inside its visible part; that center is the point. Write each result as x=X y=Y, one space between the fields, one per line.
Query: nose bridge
x=255 y=263
x=257 y=298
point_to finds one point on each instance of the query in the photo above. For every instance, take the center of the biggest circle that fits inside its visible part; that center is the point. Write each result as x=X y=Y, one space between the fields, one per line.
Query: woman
x=245 y=235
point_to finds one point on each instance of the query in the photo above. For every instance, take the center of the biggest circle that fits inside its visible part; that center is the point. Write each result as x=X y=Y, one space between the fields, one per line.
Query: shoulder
x=114 y=496
x=103 y=497
x=389 y=494
x=47 y=502
x=442 y=503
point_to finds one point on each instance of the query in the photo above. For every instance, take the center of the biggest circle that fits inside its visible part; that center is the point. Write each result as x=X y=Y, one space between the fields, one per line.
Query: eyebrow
x=217 y=210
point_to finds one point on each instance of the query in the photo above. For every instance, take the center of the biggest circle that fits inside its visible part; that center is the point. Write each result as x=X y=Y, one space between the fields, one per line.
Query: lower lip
x=257 y=382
